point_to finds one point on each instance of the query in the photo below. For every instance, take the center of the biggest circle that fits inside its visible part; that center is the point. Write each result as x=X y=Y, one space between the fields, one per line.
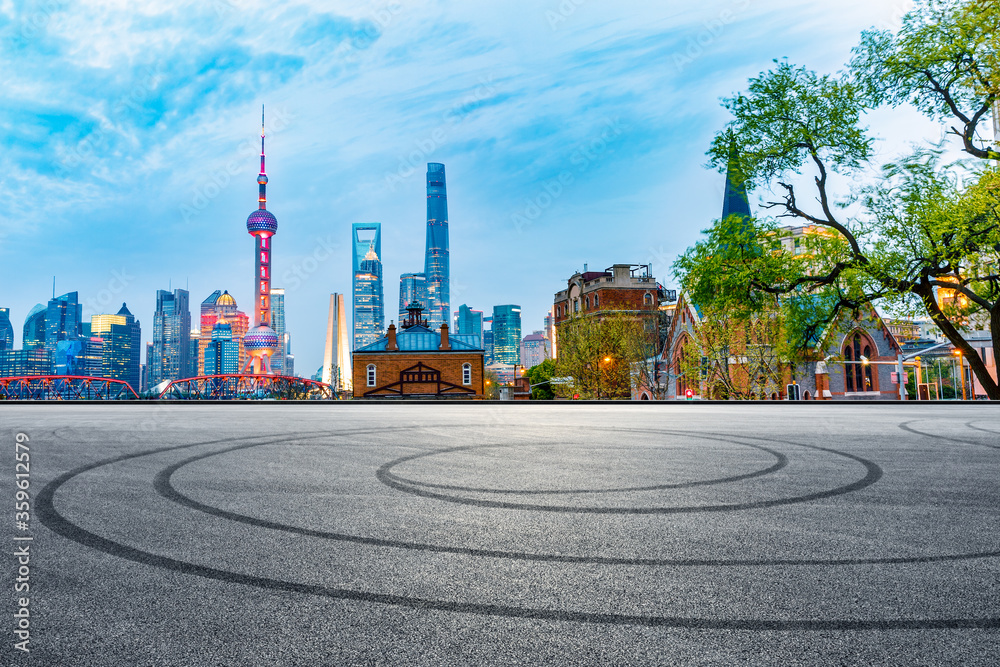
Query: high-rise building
x=278 y=324
x=468 y=321
x=222 y=356
x=29 y=361
x=336 y=370
x=507 y=334
x=220 y=307
x=369 y=308
x=122 y=346
x=33 y=334
x=534 y=349
x=261 y=342
x=6 y=330
x=488 y=340
x=437 y=266
x=171 y=337
x=62 y=320
x=412 y=289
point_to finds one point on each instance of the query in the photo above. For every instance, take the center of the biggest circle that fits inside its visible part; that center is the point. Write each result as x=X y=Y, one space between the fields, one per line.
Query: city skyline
x=613 y=128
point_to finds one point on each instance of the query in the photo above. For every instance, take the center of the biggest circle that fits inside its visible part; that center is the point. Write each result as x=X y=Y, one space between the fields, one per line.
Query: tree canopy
x=921 y=226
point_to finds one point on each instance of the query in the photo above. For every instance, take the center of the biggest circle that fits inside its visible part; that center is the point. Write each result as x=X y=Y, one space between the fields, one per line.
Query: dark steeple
x=735 y=201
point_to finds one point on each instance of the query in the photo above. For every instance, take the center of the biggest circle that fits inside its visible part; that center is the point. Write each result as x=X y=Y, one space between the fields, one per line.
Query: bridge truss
x=64 y=388
x=245 y=387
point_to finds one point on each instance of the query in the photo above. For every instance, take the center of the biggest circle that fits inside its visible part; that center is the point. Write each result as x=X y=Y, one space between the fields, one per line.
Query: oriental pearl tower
x=261 y=342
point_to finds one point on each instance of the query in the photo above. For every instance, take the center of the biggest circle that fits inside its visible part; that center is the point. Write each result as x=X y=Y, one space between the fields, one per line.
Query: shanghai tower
x=436 y=263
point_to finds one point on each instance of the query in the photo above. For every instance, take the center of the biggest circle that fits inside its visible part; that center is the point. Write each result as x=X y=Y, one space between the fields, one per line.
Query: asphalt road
x=435 y=534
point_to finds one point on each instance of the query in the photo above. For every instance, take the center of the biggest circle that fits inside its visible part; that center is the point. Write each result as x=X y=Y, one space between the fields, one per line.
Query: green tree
x=923 y=226
x=539 y=374
x=604 y=352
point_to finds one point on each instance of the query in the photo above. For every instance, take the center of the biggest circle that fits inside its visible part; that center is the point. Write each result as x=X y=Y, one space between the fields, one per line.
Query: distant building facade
x=33 y=334
x=6 y=330
x=437 y=258
x=369 y=303
x=412 y=289
x=469 y=321
x=222 y=355
x=507 y=334
x=171 y=336
x=534 y=349
x=121 y=349
x=220 y=306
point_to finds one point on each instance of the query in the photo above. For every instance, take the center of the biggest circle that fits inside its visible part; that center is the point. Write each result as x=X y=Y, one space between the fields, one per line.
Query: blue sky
x=573 y=131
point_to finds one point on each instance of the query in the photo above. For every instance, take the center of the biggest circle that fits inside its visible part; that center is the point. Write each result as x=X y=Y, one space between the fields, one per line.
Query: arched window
x=647 y=299
x=858 y=375
x=679 y=363
x=371 y=375
x=588 y=303
x=596 y=301
x=466 y=373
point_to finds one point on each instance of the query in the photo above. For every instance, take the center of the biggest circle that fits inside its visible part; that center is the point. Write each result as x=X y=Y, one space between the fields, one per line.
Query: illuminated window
x=466 y=373
x=857 y=374
x=263 y=287
x=263 y=272
x=263 y=257
x=371 y=375
x=263 y=241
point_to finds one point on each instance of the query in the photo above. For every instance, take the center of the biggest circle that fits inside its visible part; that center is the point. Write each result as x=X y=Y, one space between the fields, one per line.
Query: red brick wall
x=388 y=366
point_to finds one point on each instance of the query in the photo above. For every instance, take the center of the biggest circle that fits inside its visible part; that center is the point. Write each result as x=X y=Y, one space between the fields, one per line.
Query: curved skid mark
x=53 y=520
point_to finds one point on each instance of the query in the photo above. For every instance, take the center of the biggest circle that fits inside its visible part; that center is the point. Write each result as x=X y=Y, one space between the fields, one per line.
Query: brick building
x=415 y=362
x=628 y=288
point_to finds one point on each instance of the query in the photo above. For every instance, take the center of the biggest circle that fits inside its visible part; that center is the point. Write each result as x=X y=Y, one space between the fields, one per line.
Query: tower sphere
x=259 y=340
x=262 y=178
x=262 y=220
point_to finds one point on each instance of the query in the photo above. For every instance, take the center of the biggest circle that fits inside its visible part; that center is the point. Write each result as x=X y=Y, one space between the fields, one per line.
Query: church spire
x=735 y=201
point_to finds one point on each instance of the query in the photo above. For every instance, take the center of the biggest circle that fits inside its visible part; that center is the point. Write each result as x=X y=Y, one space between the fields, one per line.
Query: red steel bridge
x=246 y=387
x=64 y=388
x=206 y=387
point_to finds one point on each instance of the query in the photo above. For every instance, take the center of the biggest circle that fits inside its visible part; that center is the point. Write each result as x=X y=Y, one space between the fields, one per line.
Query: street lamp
x=961 y=370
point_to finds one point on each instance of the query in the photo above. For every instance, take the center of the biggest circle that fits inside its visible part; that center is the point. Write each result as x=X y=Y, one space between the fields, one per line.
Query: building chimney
x=391 y=345
x=445 y=343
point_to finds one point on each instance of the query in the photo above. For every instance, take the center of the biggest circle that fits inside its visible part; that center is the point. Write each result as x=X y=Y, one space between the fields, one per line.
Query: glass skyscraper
x=222 y=356
x=436 y=262
x=507 y=334
x=33 y=334
x=62 y=320
x=412 y=287
x=369 y=304
x=6 y=330
x=171 y=337
x=122 y=349
x=470 y=322
x=278 y=324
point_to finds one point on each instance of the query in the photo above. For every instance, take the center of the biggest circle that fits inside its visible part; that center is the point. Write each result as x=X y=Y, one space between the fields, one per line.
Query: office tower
x=488 y=340
x=122 y=346
x=507 y=334
x=470 y=322
x=278 y=324
x=146 y=367
x=33 y=334
x=62 y=320
x=336 y=369
x=222 y=356
x=29 y=361
x=369 y=309
x=261 y=342
x=220 y=306
x=534 y=349
x=6 y=330
x=90 y=360
x=412 y=289
x=437 y=265
x=171 y=337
